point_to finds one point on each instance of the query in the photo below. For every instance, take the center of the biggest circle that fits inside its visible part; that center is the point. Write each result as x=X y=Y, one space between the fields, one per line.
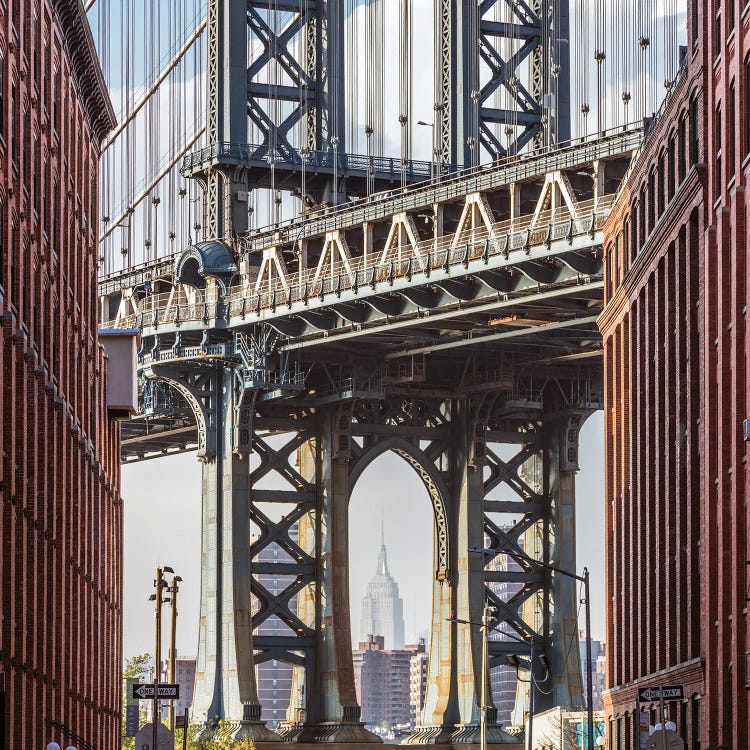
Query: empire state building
x=382 y=607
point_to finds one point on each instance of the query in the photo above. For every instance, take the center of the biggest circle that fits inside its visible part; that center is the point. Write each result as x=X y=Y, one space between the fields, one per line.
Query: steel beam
x=225 y=685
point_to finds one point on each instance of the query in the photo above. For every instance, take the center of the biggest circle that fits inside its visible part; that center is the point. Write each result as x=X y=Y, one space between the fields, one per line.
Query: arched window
x=694 y=129
x=681 y=148
x=661 y=180
x=672 y=166
x=718 y=142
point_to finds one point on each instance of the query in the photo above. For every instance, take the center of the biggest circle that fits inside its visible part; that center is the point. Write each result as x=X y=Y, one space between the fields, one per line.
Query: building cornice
x=688 y=196
x=84 y=64
x=689 y=674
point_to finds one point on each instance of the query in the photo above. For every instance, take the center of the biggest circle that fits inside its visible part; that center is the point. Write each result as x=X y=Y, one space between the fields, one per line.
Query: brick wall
x=675 y=352
x=61 y=528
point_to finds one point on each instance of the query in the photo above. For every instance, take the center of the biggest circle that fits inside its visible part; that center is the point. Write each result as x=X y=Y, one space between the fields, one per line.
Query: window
x=731 y=132
x=672 y=167
x=2 y=95
x=694 y=22
x=718 y=144
x=56 y=99
x=717 y=30
x=2 y=244
x=696 y=723
x=651 y=202
x=661 y=178
x=13 y=142
x=681 y=149
x=694 y=130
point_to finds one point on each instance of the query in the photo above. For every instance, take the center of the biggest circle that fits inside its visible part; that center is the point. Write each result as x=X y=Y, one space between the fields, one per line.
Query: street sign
x=656 y=693
x=146 y=692
x=132 y=720
x=145 y=737
x=130 y=698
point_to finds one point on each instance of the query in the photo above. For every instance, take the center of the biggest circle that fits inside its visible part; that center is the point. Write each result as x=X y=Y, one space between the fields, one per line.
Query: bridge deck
x=382 y=205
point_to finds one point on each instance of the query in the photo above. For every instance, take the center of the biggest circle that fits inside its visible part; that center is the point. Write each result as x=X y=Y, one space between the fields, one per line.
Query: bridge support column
x=451 y=713
x=562 y=447
x=332 y=712
x=225 y=685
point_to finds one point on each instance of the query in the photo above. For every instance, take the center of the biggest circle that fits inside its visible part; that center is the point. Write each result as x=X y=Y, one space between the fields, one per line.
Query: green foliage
x=137 y=667
x=222 y=739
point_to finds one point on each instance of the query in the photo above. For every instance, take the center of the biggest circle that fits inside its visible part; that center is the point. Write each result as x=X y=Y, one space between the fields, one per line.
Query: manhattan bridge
x=348 y=227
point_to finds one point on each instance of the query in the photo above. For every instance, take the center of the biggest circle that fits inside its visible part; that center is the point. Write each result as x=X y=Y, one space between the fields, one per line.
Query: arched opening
x=391 y=554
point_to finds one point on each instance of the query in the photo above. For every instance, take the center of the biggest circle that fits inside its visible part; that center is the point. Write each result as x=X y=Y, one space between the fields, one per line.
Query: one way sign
x=146 y=692
x=655 y=693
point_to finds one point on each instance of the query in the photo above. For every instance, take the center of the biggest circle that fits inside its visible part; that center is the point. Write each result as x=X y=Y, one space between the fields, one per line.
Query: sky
x=162 y=527
x=162 y=497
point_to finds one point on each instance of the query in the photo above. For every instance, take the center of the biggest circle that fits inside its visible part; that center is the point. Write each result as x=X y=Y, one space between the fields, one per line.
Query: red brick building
x=676 y=399
x=60 y=527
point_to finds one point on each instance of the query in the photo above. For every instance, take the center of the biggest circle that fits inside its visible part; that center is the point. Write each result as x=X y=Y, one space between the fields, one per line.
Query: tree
x=136 y=667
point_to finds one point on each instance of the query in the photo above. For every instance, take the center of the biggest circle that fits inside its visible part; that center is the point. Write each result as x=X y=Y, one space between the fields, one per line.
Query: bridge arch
x=430 y=477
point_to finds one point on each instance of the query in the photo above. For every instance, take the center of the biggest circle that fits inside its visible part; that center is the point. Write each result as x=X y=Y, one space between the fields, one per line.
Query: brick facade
x=675 y=399
x=61 y=522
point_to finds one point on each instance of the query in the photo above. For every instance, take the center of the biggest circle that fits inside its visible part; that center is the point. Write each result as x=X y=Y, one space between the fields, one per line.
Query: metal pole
x=157 y=660
x=185 y=731
x=529 y=742
x=589 y=667
x=663 y=732
x=173 y=589
x=483 y=709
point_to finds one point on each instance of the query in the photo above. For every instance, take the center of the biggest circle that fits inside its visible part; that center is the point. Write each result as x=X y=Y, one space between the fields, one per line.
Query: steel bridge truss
x=287 y=467
x=535 y=40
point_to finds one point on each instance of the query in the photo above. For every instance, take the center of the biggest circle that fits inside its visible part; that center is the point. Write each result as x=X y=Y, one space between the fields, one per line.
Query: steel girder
x=470 y=70
x=532 y=603
x=310 y=91
x=225 y=676
x=312 y=85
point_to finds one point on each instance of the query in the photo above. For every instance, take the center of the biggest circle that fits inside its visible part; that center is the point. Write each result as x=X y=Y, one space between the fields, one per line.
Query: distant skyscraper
x=382 y=607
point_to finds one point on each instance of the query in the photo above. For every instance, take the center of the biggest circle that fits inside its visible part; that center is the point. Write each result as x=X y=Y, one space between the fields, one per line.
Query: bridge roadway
x=455 y=327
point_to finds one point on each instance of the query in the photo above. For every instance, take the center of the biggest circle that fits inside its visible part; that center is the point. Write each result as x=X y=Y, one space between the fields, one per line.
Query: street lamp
x=159 y=585
x=434 y=149
x=335 y=144
x=173 y=591
x=589 y=668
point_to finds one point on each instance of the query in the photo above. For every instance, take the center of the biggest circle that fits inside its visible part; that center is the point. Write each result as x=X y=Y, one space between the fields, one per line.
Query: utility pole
x=173 y=589
x=159 y=584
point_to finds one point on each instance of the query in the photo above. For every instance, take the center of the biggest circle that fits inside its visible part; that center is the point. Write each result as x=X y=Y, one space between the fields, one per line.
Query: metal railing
x=377 y=166
x=382 y=204
x=482 y=178
x=446 y=254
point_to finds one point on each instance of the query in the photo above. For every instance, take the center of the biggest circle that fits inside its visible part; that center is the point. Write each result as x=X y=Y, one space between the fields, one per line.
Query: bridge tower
x=234 y=383
x=485 y=48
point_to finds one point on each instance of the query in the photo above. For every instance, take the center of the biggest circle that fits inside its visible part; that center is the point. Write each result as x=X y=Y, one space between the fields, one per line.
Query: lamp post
x=584 y=578
x=159 y=584
x=173 y=590
x=433 y=147
x=335 y=144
